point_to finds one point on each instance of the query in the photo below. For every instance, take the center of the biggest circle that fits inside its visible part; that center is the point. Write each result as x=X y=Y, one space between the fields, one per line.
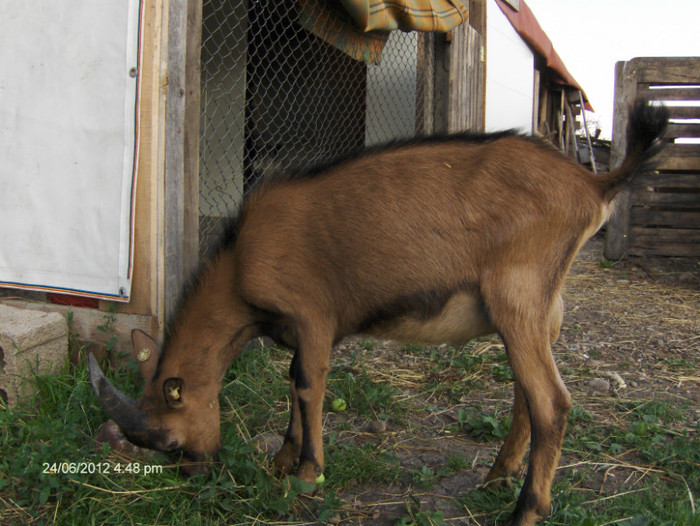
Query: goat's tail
x=646 y=125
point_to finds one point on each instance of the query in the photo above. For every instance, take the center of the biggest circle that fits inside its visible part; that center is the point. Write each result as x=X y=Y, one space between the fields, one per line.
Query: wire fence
x=276 y=97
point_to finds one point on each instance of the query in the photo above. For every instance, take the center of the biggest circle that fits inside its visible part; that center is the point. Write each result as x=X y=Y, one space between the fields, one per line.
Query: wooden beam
x=425 y=83
x=144 y=288
x=644 y=217
x=666 y=241
x=667 y=70
x=465 y=104
x=181 y=239
x=617 y=233
x=677 y=93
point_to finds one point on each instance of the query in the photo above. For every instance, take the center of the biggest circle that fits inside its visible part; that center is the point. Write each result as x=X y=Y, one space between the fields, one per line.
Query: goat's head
x=178 y=412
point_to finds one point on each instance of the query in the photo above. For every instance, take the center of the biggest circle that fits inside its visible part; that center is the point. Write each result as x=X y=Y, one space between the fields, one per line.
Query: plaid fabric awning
x=361 y=28
x=407 y=15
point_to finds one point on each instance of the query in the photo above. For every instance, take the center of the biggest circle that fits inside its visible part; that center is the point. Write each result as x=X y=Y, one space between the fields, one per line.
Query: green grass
x=638 y=464
x=55 y=430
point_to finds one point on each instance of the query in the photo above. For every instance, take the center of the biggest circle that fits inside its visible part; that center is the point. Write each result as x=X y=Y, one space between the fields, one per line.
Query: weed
x=107 y=327
x=457 y=461
x=412 y=347
x=364 y=463
x=415 y=517
x=363 y=395
x=367 y=344
x=424 y=477
x=579 y=414
x=502 y=373
x=483 y=428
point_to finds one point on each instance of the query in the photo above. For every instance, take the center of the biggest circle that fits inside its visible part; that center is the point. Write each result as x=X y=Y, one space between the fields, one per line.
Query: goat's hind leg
x=523 y=317
x=509 y=461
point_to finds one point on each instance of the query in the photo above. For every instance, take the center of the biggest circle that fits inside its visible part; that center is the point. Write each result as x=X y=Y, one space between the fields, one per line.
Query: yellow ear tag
x=144 y=355
x=174 y=393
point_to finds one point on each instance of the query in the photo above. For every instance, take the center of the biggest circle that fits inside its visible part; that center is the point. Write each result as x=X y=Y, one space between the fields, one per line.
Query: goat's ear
x=146 y=352
x=172 y=390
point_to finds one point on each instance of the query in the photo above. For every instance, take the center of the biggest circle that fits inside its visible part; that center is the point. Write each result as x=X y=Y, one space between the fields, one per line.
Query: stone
x=31 y=343
x=377 y=427
x=599 y=385
x=267 y=443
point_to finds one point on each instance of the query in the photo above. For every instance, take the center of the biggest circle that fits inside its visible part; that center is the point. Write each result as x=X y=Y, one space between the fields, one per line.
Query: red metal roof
x=527 y=26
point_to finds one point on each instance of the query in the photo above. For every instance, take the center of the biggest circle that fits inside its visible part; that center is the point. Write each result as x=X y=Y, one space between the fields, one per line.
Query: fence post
x=617 y=238
x=466 y=92
x=181 y=198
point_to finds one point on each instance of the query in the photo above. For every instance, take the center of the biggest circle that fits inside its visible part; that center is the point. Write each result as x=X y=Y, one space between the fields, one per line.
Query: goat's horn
x=119 y=407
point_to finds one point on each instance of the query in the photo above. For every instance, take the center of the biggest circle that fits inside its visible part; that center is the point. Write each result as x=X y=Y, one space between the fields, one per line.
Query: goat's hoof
x=308 y=472
x=525 y=518
x=285 y=459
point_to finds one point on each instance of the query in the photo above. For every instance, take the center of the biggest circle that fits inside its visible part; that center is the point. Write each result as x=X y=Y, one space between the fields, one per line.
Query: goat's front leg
x=311 y=370
x=287 y=457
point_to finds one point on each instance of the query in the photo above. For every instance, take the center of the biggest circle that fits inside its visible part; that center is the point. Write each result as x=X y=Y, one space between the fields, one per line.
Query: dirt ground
x=625 y=325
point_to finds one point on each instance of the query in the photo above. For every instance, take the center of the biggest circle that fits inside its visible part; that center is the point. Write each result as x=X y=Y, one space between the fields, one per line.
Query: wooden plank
x=144 y=292
x=465 y=93
x=181 y=151
x=193 y=86
x=174 y=154
x=682 y=130
x=649 y=217
x=674 y=235
x=678 y=157
x=86 y=321
x=684 y=112
x=668 y=180
x=425 y=83
x=665 y=241
x=677 y=163
x=671 y=70
x=643 y=196
x=675 y=93
x=683 y=150
x=666 y=249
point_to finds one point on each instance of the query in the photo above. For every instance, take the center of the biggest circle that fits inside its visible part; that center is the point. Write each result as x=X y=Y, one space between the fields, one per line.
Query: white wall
x=67 y=108
x=509 y=75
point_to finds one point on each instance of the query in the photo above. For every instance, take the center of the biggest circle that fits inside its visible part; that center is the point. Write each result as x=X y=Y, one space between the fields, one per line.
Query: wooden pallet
x=660 y=213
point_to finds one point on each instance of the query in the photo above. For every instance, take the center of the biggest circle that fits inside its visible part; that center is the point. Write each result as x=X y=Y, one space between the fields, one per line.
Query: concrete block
x=31 y=342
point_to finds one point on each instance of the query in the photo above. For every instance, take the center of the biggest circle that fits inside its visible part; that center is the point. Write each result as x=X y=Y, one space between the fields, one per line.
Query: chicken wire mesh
x=275 y=97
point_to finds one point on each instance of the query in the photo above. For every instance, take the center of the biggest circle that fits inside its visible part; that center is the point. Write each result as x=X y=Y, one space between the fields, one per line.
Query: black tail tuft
x=646 y=126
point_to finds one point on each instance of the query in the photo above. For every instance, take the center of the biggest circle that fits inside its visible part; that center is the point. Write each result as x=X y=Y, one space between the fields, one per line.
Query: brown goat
x=433 y=240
